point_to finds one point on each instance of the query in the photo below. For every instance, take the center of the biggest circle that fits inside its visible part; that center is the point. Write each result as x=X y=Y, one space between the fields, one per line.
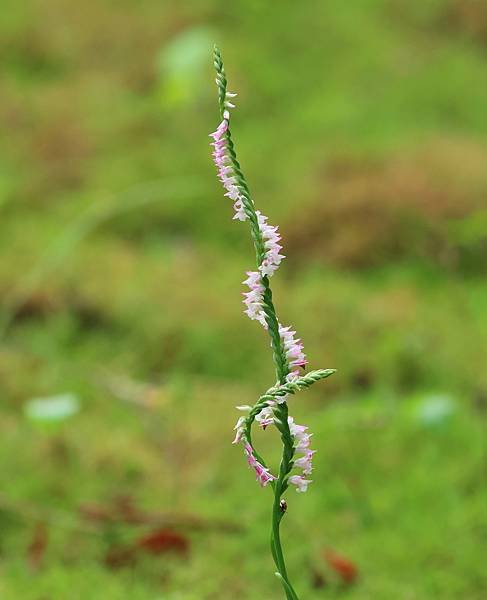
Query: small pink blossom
x=223 y=163
x=220 y=131
x=240 y=214
x=263 y=475
x=305 y=462
x=304 y=441
x=300 y=482
x=296 y=430
x=294 y=351
x=240 y=430
x=250 y=455
x=265 y=417
x=271 y=238
x=301 y=445
x=254 y=299
x=301 y=438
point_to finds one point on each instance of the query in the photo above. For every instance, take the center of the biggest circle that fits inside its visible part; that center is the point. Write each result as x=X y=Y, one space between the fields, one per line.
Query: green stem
x=281 y=421
x=277 y=548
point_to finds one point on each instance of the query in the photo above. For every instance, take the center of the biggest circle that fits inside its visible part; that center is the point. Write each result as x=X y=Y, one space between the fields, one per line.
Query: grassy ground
x=362 y=131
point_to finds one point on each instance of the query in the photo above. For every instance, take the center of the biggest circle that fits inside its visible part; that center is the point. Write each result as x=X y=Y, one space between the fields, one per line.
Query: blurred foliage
x=362 y=129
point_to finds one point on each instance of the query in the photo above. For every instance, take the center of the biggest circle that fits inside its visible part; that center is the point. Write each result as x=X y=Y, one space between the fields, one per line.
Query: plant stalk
x=280 y=360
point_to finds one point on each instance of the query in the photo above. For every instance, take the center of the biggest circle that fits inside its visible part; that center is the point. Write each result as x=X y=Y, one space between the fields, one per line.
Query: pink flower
x=301 y=438
x=240 y=430
x=240 y=214
x=265 y=417
x=301 y=445
x=271 y=238
x=305 y=462
x=294 y=351
x=223 y=163
x=296 y=430
x=220 y=131
x=253 y=299
x=253 y=279
x=263 y=475
x=303 y=442
x=250 y=455
x=300 y=482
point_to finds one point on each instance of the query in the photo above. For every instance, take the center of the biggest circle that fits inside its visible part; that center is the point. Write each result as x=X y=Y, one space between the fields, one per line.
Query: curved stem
x=276 y=545
x=281 y=421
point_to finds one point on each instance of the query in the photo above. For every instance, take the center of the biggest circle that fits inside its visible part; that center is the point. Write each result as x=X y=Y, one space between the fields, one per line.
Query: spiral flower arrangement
x=271 y=409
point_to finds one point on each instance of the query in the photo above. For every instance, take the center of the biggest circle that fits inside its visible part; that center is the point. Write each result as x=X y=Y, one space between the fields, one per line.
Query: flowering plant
x=289 y=358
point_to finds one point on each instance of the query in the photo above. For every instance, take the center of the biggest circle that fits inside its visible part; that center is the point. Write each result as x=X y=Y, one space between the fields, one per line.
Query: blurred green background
x=362 y=129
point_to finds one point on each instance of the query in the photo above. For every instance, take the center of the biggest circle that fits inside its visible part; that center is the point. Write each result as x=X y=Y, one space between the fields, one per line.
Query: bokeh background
x=362 y=129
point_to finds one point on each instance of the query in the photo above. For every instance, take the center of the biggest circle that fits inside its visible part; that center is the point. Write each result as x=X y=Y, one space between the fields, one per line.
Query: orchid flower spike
x=272 y=407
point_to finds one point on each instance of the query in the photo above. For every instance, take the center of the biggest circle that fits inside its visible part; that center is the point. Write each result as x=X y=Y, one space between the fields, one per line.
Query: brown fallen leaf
x=164 y=540
x=345 y=568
